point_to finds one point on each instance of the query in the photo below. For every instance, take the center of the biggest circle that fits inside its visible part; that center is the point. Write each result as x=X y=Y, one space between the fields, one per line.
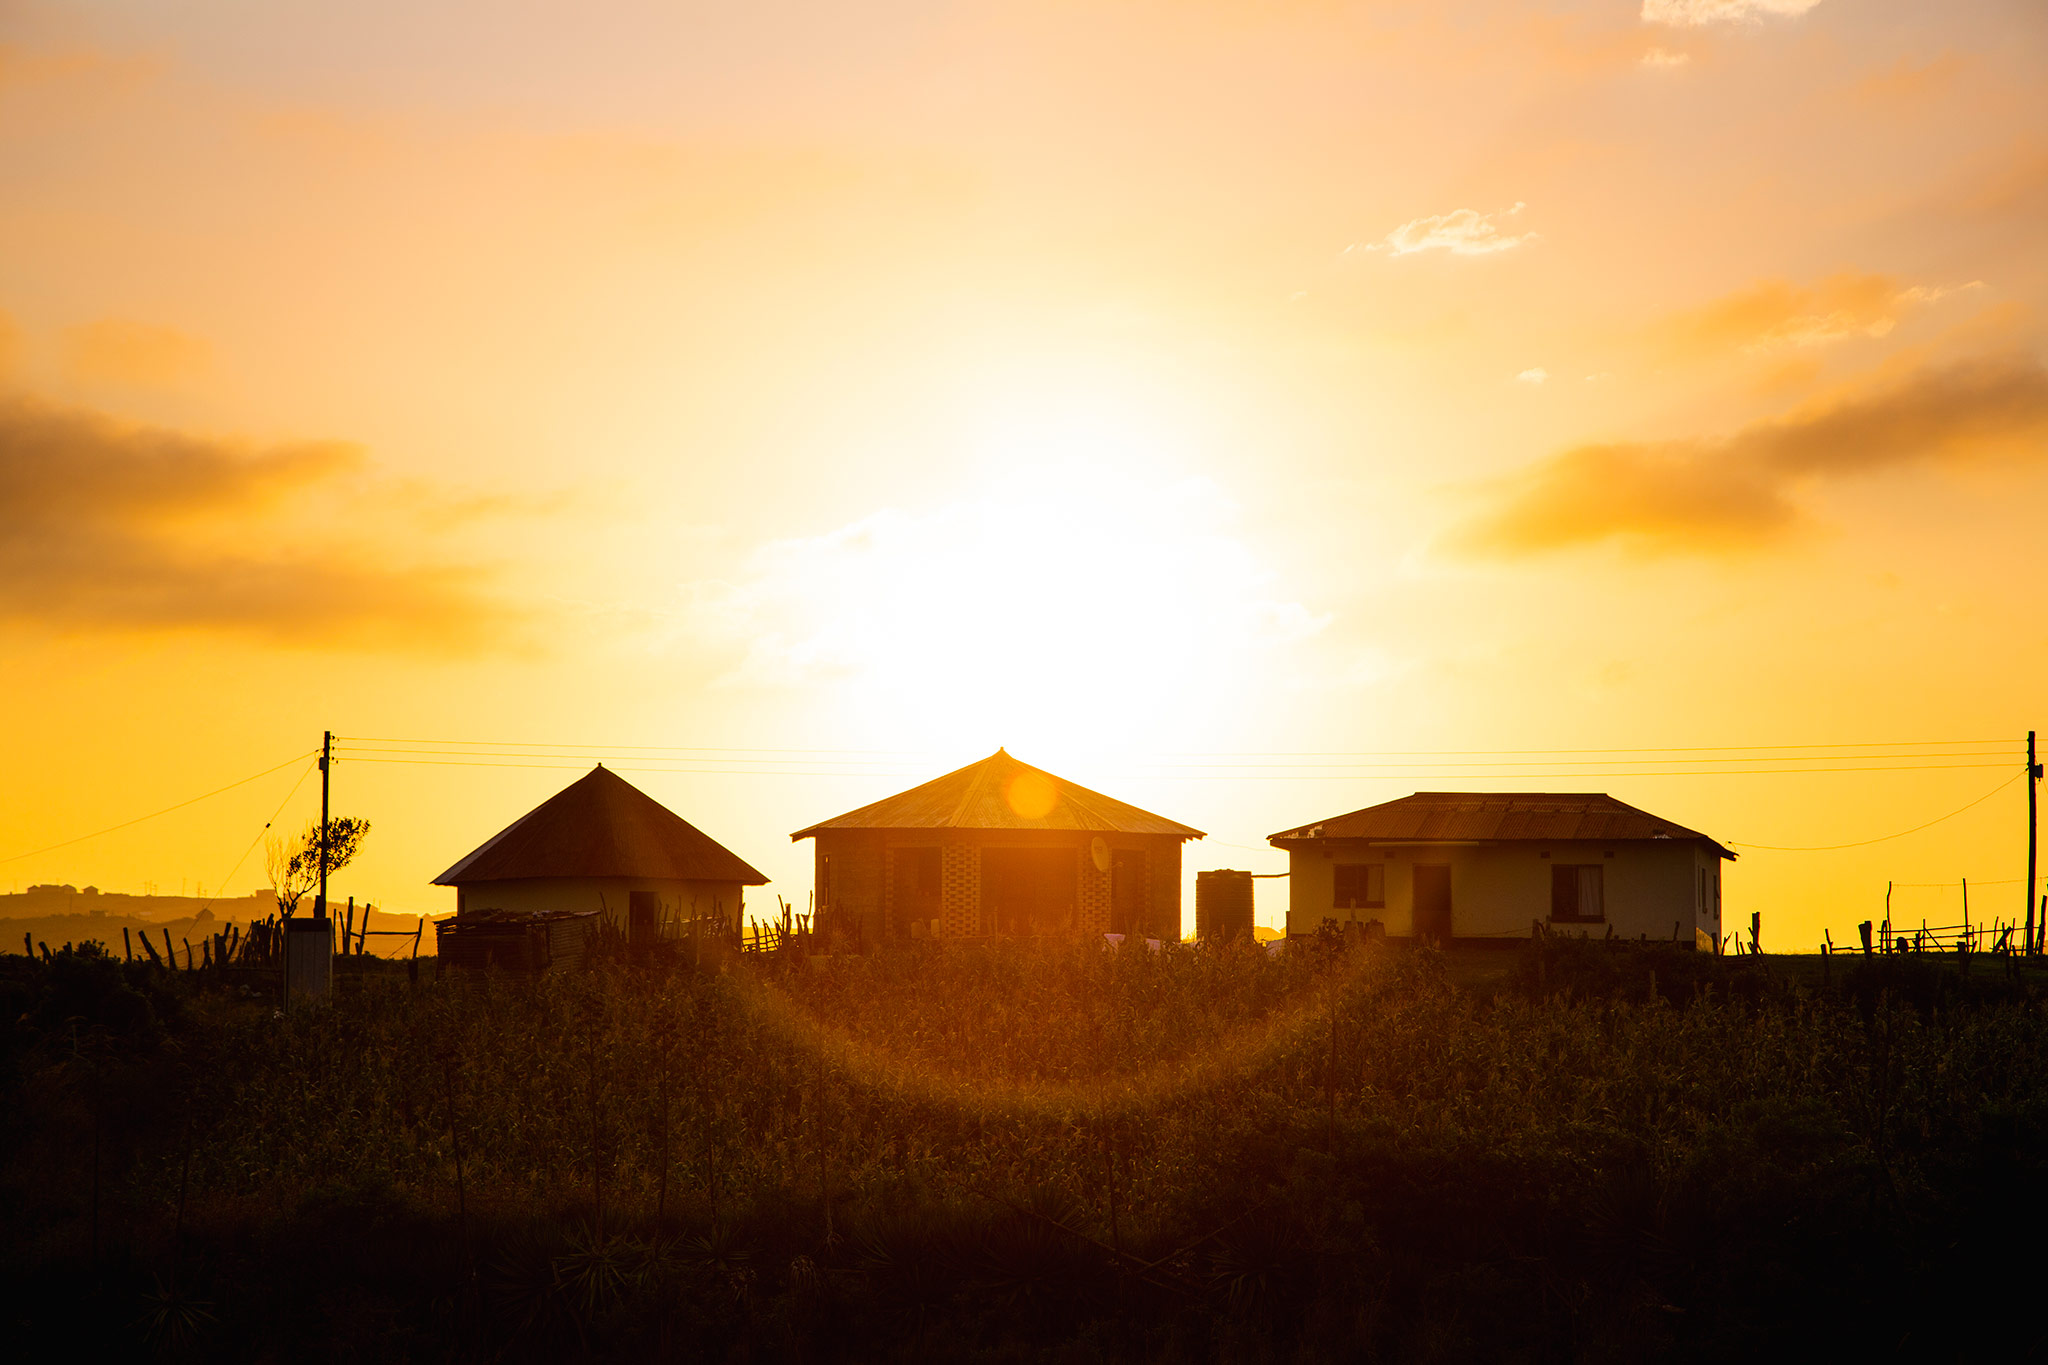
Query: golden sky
x=793 y=401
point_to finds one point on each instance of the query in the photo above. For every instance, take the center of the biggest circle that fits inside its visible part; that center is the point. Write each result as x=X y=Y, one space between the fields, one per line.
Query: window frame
x=1361 y=897
x=1571 y=915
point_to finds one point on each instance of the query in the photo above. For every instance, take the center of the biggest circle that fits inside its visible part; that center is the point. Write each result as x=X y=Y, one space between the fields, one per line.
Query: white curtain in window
x=1590 y=904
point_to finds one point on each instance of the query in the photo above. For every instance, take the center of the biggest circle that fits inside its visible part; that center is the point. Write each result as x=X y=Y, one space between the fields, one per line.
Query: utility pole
x=2033 y=831
x=309 y=943
x=326 y=766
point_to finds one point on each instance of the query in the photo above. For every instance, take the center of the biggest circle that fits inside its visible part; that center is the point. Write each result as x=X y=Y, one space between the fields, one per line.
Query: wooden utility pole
x=326 y=763
x=2033 y=828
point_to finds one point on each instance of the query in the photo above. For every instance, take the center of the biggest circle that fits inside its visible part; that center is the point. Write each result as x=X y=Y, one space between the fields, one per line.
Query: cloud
x=1538 y=375
x=110 y=526
x=136 y=354
x=1710 y=496
x=1660 y=58
x=1462 y=232
x=1697 y=13
x=1778 y=316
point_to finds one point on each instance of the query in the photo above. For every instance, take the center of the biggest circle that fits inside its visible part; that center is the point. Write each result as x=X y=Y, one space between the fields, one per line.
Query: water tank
x=1223 y=904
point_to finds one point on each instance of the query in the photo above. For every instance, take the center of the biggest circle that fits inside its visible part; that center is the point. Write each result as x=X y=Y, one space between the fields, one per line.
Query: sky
x=1255 y=411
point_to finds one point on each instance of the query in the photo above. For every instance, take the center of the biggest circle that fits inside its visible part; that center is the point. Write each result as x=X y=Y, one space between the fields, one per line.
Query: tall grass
x=1189 y=1154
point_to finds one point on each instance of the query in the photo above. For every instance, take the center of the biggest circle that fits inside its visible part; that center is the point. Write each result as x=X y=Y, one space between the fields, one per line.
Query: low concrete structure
x=1462 y=866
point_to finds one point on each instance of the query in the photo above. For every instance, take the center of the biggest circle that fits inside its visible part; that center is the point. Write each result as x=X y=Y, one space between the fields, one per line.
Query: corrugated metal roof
x=602 y=826
x=1429 y=817
x=1001 y=792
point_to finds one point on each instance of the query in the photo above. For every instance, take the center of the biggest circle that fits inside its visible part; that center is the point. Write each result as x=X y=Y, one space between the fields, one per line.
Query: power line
x=1915 y=758
x=17 y=857
x=1326 y=773
x=500 y=746
x=1864 y=843
x=222 y=884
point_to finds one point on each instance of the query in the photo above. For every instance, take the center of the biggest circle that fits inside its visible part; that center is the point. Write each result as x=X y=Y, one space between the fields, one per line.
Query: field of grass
x=1570 y=1152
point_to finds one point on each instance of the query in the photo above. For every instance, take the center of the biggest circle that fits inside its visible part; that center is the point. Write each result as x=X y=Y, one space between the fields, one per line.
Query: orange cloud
x=1777 y=315
x=1462 y=232
x=1696 y=13
x=1907 y=80
x=1709 y=496
x=104 y=525
x=136 y=354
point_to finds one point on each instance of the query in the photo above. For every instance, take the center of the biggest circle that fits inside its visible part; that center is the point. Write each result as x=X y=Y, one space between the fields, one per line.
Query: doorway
x=643 y=918
x=1433 y=904
x=1127 y=892
x=1027 y=892
x=914 y=895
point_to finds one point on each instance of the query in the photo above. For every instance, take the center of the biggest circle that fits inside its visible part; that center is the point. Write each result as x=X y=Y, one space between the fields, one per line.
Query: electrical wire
x=1324 y=773
x=503 y=745
x=17 y=857
x=476 y=753
x=222 y=884
x=1884 y=839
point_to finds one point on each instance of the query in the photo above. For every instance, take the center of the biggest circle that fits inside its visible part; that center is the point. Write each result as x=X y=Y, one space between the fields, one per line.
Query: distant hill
x=51 y=900
x=59 y=914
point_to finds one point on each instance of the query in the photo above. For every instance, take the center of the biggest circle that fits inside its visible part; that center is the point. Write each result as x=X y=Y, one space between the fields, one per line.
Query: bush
x=1619 y=1152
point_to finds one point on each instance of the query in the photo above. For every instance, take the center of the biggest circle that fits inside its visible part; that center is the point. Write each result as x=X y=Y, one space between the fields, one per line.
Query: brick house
x=1473 y=866
x=997 y=849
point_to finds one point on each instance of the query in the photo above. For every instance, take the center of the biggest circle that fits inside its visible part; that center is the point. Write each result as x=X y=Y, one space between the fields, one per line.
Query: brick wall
x=1091 y=899
x=959 y=890
x=1162 y=871
x=854 y=906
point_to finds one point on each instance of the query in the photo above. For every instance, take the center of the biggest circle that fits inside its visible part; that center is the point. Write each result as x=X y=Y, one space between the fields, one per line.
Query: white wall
x=611 y=895
x=1497 y=889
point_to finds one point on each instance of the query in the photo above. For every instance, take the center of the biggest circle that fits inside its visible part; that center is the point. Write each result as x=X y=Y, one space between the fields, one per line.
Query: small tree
x=294 y=864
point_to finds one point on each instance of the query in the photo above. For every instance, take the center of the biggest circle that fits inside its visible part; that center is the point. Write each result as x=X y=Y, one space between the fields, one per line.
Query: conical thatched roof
x=1001 y=792
x=602 y=826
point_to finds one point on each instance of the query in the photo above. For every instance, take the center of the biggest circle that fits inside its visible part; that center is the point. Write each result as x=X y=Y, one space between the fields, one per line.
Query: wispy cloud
x=135 y=354
x=1718 y=495
x=1696 y=13
x=1536 y=375
x=1462 y=232
x=109 y=526
x=1663 y=58
x=1778 y=315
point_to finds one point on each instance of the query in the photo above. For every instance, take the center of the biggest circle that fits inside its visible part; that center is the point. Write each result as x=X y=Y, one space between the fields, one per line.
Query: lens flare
x=1030 y=795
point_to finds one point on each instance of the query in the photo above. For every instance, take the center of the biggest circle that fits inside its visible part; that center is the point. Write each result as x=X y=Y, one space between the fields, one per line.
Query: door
x=1028 y=892
x=914 y=895
x=1127 y=892
x=1433 y=903
x=643 y=918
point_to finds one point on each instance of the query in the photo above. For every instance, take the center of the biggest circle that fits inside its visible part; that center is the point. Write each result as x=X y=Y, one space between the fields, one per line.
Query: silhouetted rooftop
x=602 y=826
x=1001 y=792
x=1428 y=817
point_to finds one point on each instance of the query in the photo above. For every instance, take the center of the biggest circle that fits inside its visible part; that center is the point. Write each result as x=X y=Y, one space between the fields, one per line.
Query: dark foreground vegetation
x=1069 y=1154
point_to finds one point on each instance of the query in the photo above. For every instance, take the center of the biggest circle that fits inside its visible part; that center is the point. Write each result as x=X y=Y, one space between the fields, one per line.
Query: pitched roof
x=601 y=826
x=1428 y=817
x=1001 y=792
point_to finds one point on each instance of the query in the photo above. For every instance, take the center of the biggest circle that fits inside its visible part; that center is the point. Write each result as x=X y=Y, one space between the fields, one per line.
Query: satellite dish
x=1099 y=851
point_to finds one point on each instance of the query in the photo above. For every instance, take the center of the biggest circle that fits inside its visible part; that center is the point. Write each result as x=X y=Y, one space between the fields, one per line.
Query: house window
x=1576 y=893
x=1360 y=886
x=914 y=895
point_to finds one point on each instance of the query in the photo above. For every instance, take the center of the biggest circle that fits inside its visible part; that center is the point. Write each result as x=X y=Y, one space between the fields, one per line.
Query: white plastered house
x=1478 y=866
